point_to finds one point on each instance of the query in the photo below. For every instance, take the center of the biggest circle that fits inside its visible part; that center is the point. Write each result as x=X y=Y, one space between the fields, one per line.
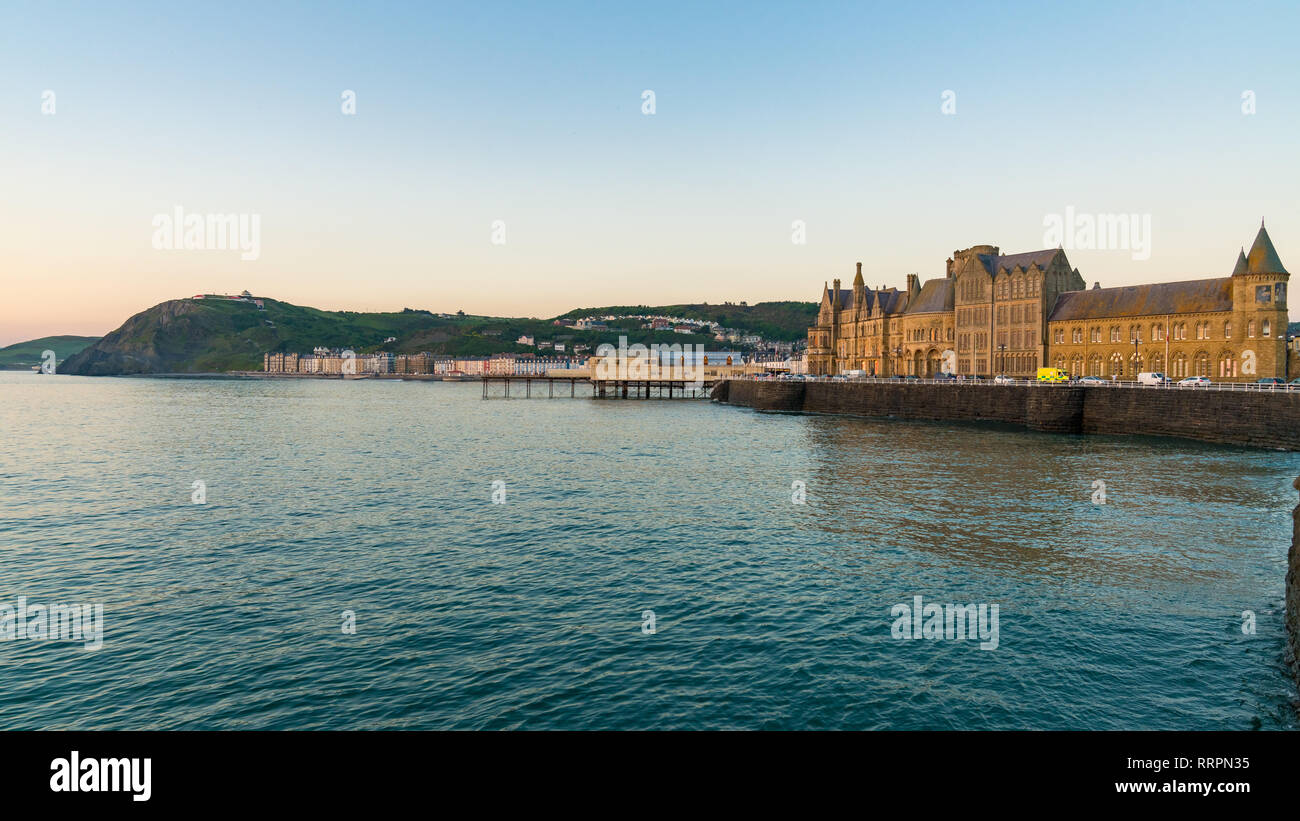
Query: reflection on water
x=375 y=497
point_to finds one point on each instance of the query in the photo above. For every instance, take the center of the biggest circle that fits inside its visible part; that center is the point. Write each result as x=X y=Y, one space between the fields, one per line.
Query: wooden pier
x=600 y=388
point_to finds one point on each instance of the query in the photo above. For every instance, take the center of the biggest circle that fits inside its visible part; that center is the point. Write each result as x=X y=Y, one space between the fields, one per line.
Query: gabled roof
x=936 y=295
x=1009 y=262
x=1262 y=258
x=1193 y=296
x=891 y=300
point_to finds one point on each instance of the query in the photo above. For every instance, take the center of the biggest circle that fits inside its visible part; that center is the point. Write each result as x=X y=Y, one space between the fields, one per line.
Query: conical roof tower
x=1263 y=258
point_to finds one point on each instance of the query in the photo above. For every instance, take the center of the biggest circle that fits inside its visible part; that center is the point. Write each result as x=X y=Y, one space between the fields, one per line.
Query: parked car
x=1294 y=384
x=1090 y=380
x=1194 y=382
x=945 y=376
x=1003 y=379
x=1271 y=381
x=1152 y=378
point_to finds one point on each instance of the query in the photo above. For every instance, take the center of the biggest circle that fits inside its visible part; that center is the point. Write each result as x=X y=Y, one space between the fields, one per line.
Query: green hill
x=23 y=355
x=213 y=335
x=786 y=321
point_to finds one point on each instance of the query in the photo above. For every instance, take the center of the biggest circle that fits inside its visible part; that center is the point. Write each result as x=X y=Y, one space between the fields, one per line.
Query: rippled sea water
x=376 y=497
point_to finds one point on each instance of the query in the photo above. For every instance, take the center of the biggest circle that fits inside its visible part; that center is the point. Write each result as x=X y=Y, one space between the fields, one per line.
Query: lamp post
x=1137 y=358
x=898 y=365
x=1002 y=358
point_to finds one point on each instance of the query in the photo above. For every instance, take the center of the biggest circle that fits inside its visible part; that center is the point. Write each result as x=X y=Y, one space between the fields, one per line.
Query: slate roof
x=1193 y=296
x=891 y=300
x=1263 y=258
x=1009 y=262
x=936 y=295
x=1241 y=267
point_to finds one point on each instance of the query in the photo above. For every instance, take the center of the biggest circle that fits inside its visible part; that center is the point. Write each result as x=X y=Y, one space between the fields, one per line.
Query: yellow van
x=1052 y=375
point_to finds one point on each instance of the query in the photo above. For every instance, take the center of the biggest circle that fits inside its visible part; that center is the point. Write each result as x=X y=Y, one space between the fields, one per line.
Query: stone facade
x=1011 y=314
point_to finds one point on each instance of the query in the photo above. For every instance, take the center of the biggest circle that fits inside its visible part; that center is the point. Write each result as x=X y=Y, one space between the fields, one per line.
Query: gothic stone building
x=1011 y=314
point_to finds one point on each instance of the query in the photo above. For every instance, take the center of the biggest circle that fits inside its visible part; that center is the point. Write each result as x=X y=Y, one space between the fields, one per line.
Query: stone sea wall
x=1264 y=419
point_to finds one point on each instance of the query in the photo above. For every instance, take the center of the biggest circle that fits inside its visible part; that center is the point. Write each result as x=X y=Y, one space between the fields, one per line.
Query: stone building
x=1011 y=314
x=1231 y=329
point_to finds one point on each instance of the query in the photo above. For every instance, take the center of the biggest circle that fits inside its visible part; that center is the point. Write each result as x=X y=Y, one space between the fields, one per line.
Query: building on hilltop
x=1011 y=314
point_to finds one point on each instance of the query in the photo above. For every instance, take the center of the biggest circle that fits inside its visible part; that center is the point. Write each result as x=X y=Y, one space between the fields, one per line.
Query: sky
x=501 y=161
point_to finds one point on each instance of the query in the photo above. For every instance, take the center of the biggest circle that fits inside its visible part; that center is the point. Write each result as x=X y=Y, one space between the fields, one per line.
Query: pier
x=600 y=388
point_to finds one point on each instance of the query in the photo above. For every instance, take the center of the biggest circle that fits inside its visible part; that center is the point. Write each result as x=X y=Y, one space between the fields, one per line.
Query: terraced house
x=1011 y=314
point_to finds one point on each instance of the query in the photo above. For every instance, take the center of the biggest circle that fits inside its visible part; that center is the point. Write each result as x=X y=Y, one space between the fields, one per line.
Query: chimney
x=950 y=272
x=1096 y=286
x=859 y=269
x=913 y=286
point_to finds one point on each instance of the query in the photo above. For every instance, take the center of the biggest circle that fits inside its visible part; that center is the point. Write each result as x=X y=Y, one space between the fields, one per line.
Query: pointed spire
x=1263 y=258
x=857 y=280
x=1241 y=263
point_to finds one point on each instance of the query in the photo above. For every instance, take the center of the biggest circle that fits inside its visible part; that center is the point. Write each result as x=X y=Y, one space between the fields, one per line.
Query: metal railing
x=1285 y=388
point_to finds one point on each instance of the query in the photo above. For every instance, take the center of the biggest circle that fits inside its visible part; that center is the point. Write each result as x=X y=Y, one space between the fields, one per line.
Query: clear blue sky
x=531 y=114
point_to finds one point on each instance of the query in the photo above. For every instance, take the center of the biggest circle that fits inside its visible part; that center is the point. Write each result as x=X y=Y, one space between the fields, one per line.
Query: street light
x=1137 y=358
x=1002 y=359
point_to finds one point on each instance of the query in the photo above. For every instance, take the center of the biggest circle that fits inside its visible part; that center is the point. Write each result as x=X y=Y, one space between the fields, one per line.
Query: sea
x=384 y=554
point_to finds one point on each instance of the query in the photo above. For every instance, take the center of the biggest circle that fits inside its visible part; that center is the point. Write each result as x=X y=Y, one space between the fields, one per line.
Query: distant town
x=553 y=358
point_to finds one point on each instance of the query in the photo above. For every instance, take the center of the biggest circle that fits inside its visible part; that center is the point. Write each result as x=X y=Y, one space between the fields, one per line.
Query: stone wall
x=1251 y=418
x=1293 y=590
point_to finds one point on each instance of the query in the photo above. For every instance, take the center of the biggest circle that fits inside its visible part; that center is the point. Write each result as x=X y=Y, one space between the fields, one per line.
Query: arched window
x=1157 y=363
x=1265 y=329
x=1227 y=365
x=1116 y=363
x=1179 y=364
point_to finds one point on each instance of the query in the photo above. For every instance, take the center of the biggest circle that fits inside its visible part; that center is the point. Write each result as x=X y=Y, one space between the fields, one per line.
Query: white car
x=1194 y=382
x=1090 y=380
x=1003 y=379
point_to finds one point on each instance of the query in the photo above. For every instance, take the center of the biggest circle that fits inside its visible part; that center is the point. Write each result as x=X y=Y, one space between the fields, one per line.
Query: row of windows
x=972 y=316
x=1018 y=313
x=1016 y=363
x=971 y=290
x=1016 y=288
x=1128 y=367
x=1203 y=330
x=928 y=335
x=1018 y=338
